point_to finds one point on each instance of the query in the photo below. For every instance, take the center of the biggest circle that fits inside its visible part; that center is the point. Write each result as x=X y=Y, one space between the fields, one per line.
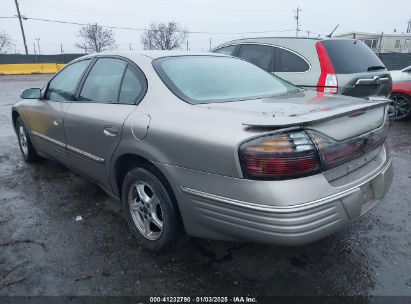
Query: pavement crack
x=4 y=275
x=25 y=241
x=83 y=277
x=227 y=256
x=12 y=282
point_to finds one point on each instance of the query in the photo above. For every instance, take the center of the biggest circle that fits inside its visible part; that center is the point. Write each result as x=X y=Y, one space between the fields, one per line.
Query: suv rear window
x=352 y=56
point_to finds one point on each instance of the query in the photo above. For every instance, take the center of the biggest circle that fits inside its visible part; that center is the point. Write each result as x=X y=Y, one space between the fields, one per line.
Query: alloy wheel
x=145 y=209
x=23 y=141
x=401 y=106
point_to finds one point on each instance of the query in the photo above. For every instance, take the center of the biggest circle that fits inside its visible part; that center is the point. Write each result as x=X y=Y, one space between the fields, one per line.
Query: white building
x=382 y=43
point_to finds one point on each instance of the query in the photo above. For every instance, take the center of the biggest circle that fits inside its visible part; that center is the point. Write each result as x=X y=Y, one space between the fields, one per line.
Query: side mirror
x=33 y=93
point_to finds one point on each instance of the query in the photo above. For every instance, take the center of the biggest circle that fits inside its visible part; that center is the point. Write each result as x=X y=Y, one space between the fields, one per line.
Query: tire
x=26 y=147
x=150 y=211
x=401 y=104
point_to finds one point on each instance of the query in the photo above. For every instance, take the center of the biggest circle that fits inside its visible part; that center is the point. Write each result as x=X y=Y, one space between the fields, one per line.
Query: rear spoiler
x=316 y=117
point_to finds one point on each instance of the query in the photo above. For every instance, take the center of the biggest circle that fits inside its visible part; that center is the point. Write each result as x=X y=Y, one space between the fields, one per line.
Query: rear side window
x=352 y=56
x=103 y=82
x=228 y=50
x=286 y=61
x=63 y=86
x=132 y=87
x=260 y=55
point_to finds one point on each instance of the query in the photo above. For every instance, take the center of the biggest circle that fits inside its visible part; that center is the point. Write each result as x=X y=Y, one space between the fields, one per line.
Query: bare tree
x=95 y=38
x=5 y=42
x=164 y=36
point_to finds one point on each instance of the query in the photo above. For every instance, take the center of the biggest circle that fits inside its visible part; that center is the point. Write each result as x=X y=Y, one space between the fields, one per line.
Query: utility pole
x=130 y=46
x=210 y=43
x=297 y=18
x=38 y=45
x=380 y=44
x=35 y=53
x=61 y=51
x=308 y=33
x=21 y=26
x=187 y=46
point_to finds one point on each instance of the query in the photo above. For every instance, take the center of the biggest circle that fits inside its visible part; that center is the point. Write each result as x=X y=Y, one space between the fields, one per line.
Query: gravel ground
x=44 y=251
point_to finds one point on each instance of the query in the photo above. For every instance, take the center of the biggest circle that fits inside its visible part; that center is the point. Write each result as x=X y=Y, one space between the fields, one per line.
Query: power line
x=144 y=29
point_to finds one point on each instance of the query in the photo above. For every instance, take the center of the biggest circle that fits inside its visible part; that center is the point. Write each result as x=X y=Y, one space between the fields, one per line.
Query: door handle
x=56 y=122
x=110 y=131
x=374 y=80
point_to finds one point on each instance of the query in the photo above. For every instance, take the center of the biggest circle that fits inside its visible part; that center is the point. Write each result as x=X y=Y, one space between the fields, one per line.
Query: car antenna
x=330 y=34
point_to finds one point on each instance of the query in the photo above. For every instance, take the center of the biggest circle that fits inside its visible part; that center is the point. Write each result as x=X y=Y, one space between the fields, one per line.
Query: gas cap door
x=140 y=125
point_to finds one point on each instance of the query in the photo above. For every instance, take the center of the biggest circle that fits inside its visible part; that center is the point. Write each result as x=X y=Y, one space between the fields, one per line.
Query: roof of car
x=275 y=40
x=154 y=54
x=271 y=39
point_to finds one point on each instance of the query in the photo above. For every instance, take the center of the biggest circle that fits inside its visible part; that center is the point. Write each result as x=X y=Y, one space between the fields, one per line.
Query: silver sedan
x=210 y=146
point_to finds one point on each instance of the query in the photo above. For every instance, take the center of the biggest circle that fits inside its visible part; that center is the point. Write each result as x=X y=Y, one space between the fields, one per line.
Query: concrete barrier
x=30 y=68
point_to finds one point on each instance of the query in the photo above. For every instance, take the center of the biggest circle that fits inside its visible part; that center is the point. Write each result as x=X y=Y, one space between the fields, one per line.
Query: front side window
x=260 y=55
x=228 y=50
x=286 y=61
x=63 y=86
x=207 y=79
x=103 y=82
x=397 y=44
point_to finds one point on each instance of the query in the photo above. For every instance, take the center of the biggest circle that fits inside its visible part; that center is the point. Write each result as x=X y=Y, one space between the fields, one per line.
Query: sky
x=234 y=18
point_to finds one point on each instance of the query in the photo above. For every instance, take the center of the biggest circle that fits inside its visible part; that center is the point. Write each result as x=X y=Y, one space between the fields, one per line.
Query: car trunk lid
x=345 y=131
x=337 y=116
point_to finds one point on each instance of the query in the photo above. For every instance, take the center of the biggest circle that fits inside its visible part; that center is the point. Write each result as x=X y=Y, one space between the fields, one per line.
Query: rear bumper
x=293 y=225
x=281 y=222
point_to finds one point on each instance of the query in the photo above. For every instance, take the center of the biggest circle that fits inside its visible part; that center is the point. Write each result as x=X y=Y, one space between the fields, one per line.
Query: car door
x=46 y=117
x=93 y=125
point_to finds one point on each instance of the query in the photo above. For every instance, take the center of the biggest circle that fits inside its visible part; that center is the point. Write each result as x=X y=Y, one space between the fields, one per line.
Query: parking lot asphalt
x=45 y=251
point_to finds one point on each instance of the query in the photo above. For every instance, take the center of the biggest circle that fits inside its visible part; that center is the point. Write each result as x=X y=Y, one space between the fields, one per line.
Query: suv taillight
x=279 y=156
x=327 y=82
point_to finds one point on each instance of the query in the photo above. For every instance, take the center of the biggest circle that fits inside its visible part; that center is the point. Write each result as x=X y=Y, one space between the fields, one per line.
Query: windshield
x=207 y=79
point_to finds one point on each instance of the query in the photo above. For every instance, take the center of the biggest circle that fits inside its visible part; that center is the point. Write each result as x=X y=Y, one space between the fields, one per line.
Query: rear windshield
x=352 y=56
x=206 y=79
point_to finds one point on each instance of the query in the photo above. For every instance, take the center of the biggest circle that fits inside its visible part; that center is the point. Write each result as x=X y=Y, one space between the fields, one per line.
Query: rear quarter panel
x=402 y=87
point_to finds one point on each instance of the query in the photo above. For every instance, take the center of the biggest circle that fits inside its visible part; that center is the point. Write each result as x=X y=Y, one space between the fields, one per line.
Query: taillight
x=327 y=82
x=301 y=153
x=334 y=153
x=279 y=156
